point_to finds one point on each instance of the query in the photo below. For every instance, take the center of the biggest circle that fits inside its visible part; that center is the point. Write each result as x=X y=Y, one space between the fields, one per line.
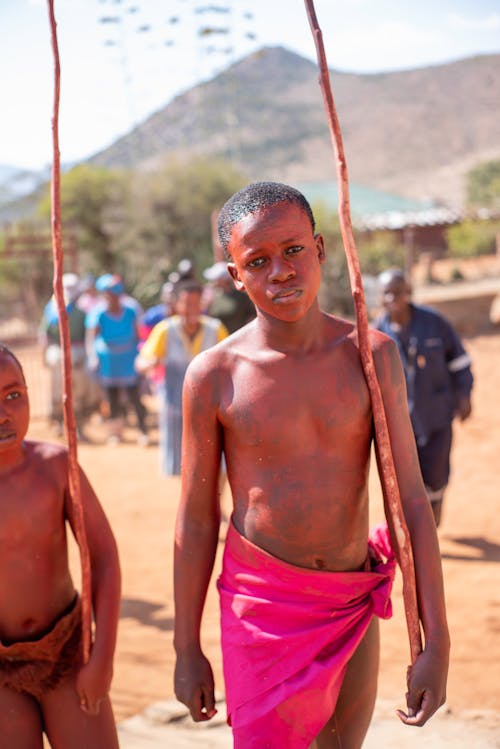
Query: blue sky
x=117 y=71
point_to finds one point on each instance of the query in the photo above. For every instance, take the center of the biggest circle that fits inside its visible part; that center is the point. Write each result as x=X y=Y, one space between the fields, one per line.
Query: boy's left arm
x=94 y=679
x=428 y=675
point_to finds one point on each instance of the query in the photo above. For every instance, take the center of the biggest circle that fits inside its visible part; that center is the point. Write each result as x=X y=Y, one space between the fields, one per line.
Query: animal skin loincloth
x=288 y=634
x=36 y=666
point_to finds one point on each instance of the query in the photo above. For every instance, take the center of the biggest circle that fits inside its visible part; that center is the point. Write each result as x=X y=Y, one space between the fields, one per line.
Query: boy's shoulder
x=381 y=344
x=338 y=326
x=40 y=462
x=47 y=453
x=381 y=341
x=212 y=363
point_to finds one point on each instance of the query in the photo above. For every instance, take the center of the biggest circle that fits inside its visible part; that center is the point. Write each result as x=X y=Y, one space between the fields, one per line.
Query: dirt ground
x=141 y=507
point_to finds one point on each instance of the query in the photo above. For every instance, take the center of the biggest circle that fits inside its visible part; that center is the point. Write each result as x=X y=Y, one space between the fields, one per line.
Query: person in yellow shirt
x=174 y=342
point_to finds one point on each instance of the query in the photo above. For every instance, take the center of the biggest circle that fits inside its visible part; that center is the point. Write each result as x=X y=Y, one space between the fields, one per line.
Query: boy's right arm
x=94 y=678
x=196 y=536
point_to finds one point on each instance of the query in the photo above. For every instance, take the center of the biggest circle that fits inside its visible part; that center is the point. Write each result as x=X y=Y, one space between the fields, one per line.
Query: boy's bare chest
x=31 y=512
x=283 y=403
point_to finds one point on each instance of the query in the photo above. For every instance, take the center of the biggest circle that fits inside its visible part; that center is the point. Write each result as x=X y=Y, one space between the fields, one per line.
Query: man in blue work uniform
x=438 y=378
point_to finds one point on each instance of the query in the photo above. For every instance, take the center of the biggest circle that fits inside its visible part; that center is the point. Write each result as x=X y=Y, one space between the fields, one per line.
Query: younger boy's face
x=276 y=259
x=14 y=404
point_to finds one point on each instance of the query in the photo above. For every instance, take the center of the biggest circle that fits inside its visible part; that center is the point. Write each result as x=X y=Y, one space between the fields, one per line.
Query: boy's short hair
x=7 y=351
x=253 y=198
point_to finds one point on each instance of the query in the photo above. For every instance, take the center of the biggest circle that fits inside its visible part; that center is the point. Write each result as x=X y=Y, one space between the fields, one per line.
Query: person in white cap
x=49 y=338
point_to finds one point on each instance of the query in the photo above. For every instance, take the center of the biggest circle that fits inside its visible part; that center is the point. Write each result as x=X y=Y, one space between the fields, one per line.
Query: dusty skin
x=37 y=592
x=141 y=507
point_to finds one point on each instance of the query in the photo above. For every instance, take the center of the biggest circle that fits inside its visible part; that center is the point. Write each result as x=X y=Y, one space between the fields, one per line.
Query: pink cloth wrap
x=287 y=635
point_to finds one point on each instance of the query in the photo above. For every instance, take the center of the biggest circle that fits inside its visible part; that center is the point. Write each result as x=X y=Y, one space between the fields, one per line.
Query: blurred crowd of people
x=120 y=351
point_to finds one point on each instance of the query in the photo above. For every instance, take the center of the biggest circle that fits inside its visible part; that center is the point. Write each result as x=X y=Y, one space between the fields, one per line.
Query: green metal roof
x=365 y=201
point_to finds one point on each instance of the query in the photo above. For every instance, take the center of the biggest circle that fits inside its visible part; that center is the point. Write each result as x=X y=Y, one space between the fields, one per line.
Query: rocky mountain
x=415 y=133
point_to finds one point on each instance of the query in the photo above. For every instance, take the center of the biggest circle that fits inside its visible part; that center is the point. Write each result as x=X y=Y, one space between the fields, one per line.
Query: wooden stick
x=388 y=472
x=69 y=416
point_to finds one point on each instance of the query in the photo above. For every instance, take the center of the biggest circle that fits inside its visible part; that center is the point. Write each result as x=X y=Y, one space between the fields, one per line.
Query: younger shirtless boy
x=302 y=585
x=43 y=685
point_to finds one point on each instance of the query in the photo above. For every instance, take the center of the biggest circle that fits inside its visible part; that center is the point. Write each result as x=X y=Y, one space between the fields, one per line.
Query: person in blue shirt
x=112 y=343
x=438 y=378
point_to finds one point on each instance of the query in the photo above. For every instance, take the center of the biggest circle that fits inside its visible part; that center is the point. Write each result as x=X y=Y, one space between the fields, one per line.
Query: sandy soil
x=141 y=506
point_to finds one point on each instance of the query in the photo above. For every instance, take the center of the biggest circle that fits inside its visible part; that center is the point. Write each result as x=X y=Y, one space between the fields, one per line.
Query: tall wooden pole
x=69 y=416
x=388 y=472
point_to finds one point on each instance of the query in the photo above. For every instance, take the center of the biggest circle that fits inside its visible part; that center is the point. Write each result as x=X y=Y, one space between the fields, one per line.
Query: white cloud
x=383 y=45
x=486 y=23
x=402 y=34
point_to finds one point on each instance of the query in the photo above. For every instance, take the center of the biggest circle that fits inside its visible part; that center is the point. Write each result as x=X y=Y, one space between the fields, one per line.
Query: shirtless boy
x=43 y=685
x=286 y=401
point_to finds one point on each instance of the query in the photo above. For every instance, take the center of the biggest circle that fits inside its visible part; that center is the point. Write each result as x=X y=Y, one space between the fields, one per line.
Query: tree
x=377 y=251
x=471 y=238
x=380 y=250
x=94 y=202
x=140 y=224
x=335 y=294
x=483 y=186
x=170 y=218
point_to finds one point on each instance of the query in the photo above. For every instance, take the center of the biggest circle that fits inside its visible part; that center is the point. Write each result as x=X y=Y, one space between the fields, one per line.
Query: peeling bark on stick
x=388 y=472
x=69 y=416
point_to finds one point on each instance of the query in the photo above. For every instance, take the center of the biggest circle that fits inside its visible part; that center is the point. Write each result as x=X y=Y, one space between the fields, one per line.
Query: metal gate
x=37 y=377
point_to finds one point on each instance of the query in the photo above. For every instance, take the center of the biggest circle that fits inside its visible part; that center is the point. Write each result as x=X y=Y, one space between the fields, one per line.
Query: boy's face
x=276 y=259
x=14 y=404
